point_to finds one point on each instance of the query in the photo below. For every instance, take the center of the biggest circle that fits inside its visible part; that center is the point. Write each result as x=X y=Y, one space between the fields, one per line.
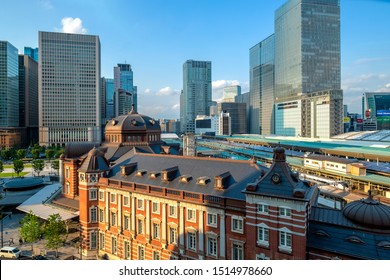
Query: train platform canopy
x=37 y=204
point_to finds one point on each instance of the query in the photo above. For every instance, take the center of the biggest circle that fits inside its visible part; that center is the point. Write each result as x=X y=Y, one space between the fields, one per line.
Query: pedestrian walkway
x=11 y=237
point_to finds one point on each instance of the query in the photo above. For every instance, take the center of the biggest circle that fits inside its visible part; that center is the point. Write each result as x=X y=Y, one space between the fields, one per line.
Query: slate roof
x=95 y=161
x=241 y=173
x=132 y=122
x=330 y=231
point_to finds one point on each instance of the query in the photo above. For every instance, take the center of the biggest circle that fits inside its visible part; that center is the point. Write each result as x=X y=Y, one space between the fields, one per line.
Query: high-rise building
x=69 y=88
x=307 y=58
x=195 y=98
x=9 y=85
x=125 y=92
x=237 y=113
x=230 y=92
x=10 y=134
x=28 y=98
x=110 y=112
x=33 y=53
x=261 y=82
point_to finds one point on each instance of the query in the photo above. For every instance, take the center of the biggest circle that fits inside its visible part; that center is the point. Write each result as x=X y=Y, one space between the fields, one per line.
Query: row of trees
x=38 y=165
x=35 y=152
x=54 y=231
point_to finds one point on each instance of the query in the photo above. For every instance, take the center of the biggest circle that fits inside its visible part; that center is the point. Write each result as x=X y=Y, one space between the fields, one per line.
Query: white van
x=10 y=252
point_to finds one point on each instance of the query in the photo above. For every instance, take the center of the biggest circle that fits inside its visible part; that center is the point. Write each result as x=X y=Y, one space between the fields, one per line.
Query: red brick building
x=138 y=205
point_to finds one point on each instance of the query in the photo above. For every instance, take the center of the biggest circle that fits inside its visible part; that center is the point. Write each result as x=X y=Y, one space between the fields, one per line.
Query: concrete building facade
x=69 y=88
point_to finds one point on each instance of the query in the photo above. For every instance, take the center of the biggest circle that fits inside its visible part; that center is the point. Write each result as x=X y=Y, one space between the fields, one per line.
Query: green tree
x=1 y=166
x=30 y=229
x=6 y=154
x=35 y=153
x=59 y=152
x=21 y=153
x=18 y=166
x=38 y=165
x=55 y=232
x=55 y=165
x=50 y=154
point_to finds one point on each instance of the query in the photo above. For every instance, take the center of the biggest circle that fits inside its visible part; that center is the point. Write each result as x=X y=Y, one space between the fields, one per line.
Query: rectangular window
x=172 y=235
x=212 y=246
x=155 y=207
x=101 y=240
x=156 y=255
x=211 y=219
x=101 y=215
x=93 y=194
x=127 y=249
x=93 y=213
x=286 y=212
x=67 y=188
x=262 y=208
x=141 y=253
x=140 y=204
x=93 y=238
x=172 y=211
x=113 y=198
x=156 y=231
x=237 y=251
x=285 y=240
x=126 y=222
x=113 y=245
x=113 y=218
x=191 y=215
x=237 y=224
x=191 y=241
x=140 y=224
x=126 y=201
x=262 y=235
x=67 y=172
x=101 y=195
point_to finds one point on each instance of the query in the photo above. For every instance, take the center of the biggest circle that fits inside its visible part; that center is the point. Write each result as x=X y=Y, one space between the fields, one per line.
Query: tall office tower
x=307 y=58
x=261 y=83
x=230 y=92
x=196 y=95
x=28 y=98
x=69 y=88
x=378 y=104
x=237 y=113
x=33 y=53
x=9 y=95
x=124 y=86
x=9 y=85
x=110 y=113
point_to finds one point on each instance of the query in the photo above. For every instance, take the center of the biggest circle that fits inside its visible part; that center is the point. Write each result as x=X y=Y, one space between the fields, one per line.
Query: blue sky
x=157 y=36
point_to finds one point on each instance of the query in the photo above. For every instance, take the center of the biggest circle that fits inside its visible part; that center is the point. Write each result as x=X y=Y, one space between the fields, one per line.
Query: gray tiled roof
x=242 y=173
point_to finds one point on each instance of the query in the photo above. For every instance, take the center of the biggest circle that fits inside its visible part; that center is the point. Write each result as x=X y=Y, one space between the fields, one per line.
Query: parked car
x=10 y=252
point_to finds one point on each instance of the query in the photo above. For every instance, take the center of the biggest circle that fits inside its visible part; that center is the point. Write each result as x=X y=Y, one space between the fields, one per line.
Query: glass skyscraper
x=261 y=82
x=110 y=113
x=307 y=66
x=195 y=98
x=229 y=93
x=33 y=53
x=307 y=47
x=69 y=88
x=125 y=92
x=9 y=85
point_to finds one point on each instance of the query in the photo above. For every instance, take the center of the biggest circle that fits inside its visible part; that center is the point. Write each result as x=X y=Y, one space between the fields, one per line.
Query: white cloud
x=73 y=25
x=220 y=84
x=167 y=91
x=176 y=106
x=224 y=83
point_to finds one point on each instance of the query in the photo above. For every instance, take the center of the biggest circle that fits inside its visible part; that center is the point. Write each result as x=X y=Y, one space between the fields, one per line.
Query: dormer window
x=154 y=174
x=354 y=239
x=169 y=174
x=185 y=178
x=140 y=173
x=203 y=180
x=133 y=122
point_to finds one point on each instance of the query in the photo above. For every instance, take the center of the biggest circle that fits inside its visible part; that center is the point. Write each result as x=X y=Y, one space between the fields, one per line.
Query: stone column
x=222 y=238
x=181 y=230
x=201 y=236
x=147 y=220
x=164 y=225
x=107 y=219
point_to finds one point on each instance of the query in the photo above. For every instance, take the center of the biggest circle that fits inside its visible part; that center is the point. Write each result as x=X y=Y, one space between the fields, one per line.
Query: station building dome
x=368 y=212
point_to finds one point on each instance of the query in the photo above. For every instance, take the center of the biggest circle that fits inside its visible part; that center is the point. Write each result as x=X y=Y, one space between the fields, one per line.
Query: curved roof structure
x=23 y=184
x=95 y=161
x=132 y=122
x=368 y=212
